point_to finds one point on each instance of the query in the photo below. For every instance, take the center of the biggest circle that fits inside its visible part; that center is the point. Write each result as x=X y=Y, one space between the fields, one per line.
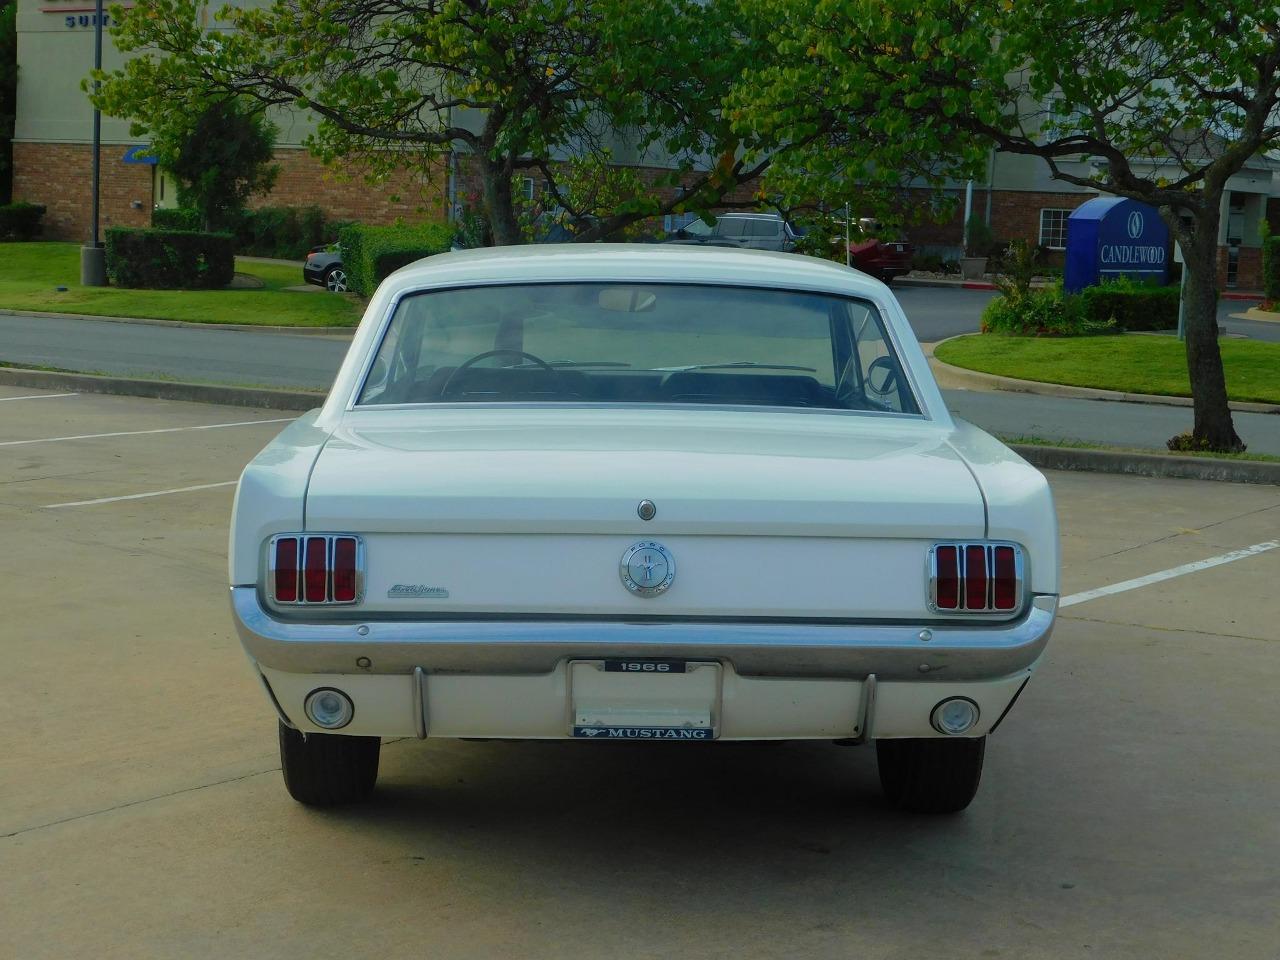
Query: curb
x=1255 y=313
x=290 y=400
x=1148 y=464
x=1044 y=457
x=335 y=332
x=984 y=285
x=962 y=378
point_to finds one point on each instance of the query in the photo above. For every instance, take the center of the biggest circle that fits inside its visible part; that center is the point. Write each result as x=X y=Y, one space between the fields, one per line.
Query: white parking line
x=40 y=396
x=140 y=496
x=135 y=433
x=1169 y=574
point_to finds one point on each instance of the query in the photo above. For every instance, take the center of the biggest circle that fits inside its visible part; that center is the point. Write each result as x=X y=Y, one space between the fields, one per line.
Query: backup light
x=954 y=716
x=329 y=708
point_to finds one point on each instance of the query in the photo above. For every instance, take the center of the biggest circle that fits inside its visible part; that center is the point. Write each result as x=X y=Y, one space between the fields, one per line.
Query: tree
x=221 y=156
x=8 y=93
x=520 y=85
x=1157 y=100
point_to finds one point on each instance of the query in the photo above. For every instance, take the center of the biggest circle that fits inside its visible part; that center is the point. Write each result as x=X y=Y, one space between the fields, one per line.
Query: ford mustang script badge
x=647 y=569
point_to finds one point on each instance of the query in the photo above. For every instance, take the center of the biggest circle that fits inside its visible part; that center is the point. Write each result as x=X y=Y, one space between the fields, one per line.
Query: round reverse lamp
x=329 y=708
x=954 y=716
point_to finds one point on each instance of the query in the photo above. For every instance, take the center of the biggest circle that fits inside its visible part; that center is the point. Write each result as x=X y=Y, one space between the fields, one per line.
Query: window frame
x=1066 y=212
x=911 y=384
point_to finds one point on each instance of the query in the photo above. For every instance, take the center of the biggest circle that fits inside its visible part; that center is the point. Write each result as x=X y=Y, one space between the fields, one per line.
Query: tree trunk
x=499 y=206
x=1214 y=429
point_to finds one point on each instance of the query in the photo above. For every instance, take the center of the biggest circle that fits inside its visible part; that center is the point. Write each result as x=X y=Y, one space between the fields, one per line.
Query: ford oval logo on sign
x=1110 y=237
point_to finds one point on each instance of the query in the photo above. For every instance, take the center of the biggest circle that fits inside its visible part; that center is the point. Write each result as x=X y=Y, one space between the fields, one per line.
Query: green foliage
x=1130 y=305
x=169 y=259
x=979 y=242
x=1271 y=268
x=1045 y=312
x=370 y=254
x=220 y=152
x=547 y=79
x=285 y=232
x=175 y=218
x=1018 y=267
x=20 y=221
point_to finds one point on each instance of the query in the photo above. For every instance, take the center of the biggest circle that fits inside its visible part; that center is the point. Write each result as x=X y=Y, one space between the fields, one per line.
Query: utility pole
x=93 y=258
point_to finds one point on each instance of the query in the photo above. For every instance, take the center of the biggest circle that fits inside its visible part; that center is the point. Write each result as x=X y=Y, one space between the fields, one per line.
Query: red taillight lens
x=286 y=573
x=344 y=569
x=1005 y=588
x=975 y=577
x=947 y=583
x=316 y=576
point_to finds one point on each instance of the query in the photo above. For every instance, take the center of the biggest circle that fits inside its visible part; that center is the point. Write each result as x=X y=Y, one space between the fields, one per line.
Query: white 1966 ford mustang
x=619 y=492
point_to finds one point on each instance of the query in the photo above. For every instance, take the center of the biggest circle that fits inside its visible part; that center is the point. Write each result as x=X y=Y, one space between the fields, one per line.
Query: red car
x=882 y=260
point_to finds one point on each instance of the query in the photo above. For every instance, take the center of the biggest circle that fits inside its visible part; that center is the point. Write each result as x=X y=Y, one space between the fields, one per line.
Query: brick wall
x=342 y=191
x=1248 y=269
x=1015 y=215
x=59 y=175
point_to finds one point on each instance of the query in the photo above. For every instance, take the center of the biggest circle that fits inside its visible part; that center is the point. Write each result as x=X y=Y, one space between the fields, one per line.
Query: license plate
x=621 y=698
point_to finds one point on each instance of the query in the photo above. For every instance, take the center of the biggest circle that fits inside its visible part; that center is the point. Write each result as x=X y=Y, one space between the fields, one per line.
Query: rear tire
x=327 y=769
x=931 y=775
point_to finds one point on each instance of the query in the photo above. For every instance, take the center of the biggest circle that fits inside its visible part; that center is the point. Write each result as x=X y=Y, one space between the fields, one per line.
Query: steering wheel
x=890 y=376
x=467 y=364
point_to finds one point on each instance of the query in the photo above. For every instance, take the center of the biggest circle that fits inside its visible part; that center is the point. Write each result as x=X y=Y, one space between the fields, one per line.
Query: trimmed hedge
x=1271 y=268
x=1131 y=307
x=20 y=221
x=170 y=259
x=286 y=232
x=370 y=254
x=176 y=218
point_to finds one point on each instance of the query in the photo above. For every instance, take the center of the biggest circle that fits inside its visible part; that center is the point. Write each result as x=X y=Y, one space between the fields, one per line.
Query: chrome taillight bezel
x=269 y=564
x=962 y=609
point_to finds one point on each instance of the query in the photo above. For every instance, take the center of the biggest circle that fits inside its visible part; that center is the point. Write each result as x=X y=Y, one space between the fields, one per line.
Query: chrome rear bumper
x=967 y=651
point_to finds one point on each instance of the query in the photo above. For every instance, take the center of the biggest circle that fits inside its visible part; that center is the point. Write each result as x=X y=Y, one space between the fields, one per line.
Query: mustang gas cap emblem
x=647 y=510
x=647 y=568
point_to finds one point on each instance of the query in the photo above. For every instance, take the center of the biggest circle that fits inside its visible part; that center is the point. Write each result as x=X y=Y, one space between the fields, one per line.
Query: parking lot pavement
x=1127 y=810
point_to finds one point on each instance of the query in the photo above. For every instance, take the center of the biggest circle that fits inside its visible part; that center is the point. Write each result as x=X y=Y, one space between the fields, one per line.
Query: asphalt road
x=310 y=362
x=1127 y=811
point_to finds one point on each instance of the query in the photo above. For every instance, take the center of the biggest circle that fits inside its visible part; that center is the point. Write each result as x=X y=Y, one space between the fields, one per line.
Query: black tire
x=335 y=280
x=931 y=775
x=328 y=769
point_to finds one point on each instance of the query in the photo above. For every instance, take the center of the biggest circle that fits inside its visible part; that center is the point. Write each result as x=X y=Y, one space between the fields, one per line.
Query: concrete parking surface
x=1128 y=808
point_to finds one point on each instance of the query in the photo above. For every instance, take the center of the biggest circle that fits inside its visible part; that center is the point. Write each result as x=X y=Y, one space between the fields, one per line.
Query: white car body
x=492 y=536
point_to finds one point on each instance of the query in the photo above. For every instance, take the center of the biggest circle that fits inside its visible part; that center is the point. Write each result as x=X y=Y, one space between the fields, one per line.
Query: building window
x=1053 y=229
x=527 y=188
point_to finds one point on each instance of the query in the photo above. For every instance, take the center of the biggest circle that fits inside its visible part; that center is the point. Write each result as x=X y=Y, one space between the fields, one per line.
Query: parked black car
x=324 y=268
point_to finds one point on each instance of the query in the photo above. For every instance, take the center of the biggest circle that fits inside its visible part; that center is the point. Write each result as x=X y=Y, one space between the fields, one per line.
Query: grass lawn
x=1131 y=363
x=31 y=272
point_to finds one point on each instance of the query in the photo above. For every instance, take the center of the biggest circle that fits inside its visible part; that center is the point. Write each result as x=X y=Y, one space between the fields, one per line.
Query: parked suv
x=749 y=231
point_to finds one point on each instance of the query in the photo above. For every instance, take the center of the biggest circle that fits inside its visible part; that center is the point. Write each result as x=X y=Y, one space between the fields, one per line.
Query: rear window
x=638 y=343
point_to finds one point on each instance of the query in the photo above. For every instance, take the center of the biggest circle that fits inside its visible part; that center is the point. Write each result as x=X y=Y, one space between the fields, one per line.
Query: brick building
x=52 y=161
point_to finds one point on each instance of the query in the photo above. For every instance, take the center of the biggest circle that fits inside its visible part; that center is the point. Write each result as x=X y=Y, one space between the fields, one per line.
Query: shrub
x=1271 y=268
x=1044 y=312
x=979 y=240
x=370 y=254
x=170 y=259
x=287 y=232
x=175 y=218
x=1131 y=305
x=20 y=221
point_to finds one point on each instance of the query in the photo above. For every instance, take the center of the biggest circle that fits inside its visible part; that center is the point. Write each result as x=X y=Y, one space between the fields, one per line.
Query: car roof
x=631 y=262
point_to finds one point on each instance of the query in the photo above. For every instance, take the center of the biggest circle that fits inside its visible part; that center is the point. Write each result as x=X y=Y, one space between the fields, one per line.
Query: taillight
x=975 y=577
x=316 y=568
